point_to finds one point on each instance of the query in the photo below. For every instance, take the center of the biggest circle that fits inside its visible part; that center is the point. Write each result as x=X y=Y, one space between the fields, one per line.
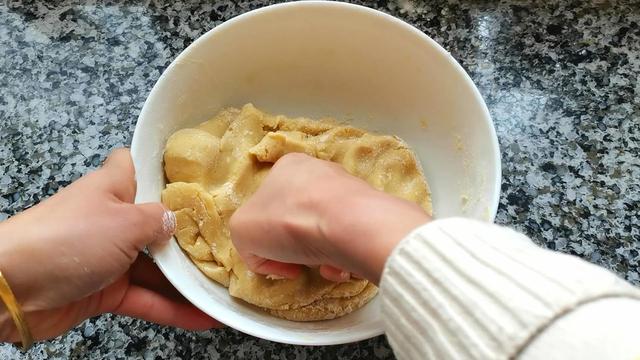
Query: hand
x=77 y=255
x=312 y=212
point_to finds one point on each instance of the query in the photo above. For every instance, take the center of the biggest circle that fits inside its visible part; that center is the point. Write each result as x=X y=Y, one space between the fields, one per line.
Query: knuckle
x=236 y=220
x=235 y=228
x=291 y=159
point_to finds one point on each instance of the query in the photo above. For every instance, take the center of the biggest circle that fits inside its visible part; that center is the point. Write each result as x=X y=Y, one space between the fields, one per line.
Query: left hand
x=77 y=255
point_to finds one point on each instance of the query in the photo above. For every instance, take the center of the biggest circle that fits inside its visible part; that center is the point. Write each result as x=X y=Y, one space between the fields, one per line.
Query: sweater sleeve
x=601 y=329
x=462 y=289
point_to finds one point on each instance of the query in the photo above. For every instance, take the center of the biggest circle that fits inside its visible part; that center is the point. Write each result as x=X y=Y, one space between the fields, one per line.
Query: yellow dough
x=214 y=168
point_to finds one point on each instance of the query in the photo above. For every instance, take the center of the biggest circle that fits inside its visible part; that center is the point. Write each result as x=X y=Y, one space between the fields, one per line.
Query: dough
x=215 y=167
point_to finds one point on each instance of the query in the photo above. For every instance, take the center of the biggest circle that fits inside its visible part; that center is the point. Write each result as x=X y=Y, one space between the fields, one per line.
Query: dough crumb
x=275 y=277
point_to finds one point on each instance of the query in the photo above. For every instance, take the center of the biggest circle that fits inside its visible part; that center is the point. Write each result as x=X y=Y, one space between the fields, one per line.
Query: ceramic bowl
x=320 y=59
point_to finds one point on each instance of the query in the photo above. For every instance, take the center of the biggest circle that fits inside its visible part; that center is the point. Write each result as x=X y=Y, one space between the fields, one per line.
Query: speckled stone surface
x=560 y=79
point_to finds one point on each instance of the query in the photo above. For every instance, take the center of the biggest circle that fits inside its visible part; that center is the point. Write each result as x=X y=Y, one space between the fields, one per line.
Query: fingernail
x=169 y=222
x=345 y=276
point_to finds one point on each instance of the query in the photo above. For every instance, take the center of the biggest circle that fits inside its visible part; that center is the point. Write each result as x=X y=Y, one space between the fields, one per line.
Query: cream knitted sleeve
x=462 y=289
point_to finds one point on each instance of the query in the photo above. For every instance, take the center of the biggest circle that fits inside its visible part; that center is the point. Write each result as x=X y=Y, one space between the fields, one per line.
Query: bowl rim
x=228 y=319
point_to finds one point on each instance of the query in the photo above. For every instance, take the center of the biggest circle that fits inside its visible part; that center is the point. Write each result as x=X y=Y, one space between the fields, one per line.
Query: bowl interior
x=320 y=59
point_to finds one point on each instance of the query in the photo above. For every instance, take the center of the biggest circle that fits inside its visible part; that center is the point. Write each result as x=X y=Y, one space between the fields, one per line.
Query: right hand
x=312 y=212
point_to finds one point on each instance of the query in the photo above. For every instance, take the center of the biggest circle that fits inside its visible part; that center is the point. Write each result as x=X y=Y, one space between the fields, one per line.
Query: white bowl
x=323 y=59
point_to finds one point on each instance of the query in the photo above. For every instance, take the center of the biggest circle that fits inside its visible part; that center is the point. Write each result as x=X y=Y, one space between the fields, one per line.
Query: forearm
x=462 y=288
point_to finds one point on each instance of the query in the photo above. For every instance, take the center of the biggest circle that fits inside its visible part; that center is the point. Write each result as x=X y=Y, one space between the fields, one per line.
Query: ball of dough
x=225 y=161
x=189 y=155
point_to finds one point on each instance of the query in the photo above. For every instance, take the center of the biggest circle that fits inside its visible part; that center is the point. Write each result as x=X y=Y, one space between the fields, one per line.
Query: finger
x=120 y=173
x=148 y=305
x=153 y=223
x=334 y=274
x=270 y=267
x=146 y=274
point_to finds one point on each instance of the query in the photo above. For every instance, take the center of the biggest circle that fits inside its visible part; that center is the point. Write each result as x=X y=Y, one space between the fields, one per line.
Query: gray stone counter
x=560 y=80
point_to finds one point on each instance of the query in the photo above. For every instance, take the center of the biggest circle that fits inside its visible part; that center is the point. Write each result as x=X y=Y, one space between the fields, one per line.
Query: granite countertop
x=559 y=77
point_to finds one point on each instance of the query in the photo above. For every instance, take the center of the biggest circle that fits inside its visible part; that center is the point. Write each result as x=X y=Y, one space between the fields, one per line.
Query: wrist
x=366 y=228
x=12 y=264
x=9 y=262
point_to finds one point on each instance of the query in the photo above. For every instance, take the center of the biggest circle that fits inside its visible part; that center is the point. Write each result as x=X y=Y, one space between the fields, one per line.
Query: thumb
x=156 y=223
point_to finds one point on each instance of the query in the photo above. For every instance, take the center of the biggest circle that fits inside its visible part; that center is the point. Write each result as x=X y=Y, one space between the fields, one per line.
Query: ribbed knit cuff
x=462 y=289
